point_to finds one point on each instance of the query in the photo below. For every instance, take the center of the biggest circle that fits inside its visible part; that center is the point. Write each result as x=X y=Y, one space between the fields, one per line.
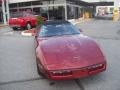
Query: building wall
x=47 y=9
x=56 y=8
x=17 y=1
x=97 y=0
x=62 y=9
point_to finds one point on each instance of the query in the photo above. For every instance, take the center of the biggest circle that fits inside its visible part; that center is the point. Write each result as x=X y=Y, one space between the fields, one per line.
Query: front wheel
x=14 y=28
x=39 y=72
x=28 y=26
x=38 y=69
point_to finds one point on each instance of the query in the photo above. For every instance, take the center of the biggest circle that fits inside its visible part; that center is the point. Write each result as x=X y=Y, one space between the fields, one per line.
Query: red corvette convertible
x=62 y=52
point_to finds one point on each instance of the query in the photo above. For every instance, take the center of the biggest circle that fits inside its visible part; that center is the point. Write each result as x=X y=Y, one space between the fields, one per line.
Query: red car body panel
x=73 y=52
x=22 y=21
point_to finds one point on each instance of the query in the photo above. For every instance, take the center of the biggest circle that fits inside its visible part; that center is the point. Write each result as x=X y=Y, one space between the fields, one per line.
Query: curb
x=77 y=21
x=26 y=34
x=82 y=21
x=30 y=32
x=2 y=25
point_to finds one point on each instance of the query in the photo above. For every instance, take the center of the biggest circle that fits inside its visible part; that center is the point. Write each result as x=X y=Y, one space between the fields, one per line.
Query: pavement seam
x=80 y=85
x=21 y=81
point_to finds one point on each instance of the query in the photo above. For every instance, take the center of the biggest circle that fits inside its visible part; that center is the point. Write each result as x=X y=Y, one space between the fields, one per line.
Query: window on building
x=58 y=1
x=29 y=10
x=24 y=4
x=111 y=9
x=70 y=2
x=44 y=12
x=80 y=12
x=13 y=10
x=36 y=3
x=70 y=12
x=21 y=10
x=76 y=12
x=53 y=2
x=21 y=4
x=14 y=5
x=36 y=10
x=56 y=12
x=27 y=3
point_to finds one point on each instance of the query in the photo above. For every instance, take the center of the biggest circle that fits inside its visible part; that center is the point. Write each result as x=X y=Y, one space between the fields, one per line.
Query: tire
x=28 y=26
x=14 y=28
x=39 y=72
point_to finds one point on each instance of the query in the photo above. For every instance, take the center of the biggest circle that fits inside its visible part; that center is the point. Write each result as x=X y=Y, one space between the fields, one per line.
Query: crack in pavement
x=80 y=85
x=21 y=81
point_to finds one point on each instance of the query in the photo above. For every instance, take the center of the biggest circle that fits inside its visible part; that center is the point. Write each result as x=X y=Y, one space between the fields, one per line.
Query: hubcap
x=28 y=26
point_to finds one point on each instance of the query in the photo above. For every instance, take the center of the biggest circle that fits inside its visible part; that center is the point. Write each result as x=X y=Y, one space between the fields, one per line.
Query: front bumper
x=79 y=73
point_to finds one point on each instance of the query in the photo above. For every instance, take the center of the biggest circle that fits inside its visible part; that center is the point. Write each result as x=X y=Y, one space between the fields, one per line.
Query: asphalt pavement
x=18 y=69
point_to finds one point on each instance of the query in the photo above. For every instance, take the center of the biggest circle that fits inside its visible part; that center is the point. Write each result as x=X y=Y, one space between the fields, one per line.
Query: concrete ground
x=107 y=34
x=18 y=66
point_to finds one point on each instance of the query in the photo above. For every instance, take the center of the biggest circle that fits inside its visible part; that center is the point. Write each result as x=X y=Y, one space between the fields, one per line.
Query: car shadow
x=78 y=83
x=94 y=80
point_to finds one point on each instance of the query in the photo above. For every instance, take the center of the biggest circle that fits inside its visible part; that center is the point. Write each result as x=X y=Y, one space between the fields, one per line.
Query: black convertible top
x=55 y=22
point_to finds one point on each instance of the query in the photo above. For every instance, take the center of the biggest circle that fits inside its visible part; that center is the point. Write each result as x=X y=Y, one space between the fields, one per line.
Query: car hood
x=67 y=52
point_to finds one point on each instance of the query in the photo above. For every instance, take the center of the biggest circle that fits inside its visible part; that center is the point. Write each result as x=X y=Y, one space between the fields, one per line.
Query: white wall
x=15 y=1
x=97 y=0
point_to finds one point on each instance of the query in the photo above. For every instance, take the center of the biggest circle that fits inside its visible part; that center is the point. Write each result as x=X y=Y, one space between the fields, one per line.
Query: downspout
x=65 y=9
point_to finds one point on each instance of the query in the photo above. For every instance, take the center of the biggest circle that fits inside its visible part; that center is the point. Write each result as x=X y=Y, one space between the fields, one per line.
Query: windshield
x=58 y=30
